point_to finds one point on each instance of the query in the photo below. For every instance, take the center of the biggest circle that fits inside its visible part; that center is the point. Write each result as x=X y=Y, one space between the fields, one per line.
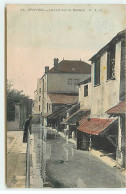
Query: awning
x=46 y=115
x=59 y=113
x=77 y=116
x=96 y=126
x=63 y=98
x=120 y=108
x=74 y=109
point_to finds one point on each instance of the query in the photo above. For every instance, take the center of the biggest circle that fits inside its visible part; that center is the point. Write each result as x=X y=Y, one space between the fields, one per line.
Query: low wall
x=13 y=126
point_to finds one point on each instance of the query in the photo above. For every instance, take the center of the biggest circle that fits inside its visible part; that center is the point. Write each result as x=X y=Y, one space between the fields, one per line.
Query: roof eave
x=117 y=114
x=101 y=51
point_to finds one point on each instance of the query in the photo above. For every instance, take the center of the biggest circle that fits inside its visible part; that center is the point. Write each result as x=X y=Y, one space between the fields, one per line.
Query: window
x=39 y=108
x=47 y=107
x=111 y=63
x=39 y=98
x=76 y=81
x=69 y=81
x=85 y=90
x=43 y=88
x=39 y=90
x=97 y=72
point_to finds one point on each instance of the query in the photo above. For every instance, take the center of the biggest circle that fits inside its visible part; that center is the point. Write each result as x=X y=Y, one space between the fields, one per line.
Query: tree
x=15 y=96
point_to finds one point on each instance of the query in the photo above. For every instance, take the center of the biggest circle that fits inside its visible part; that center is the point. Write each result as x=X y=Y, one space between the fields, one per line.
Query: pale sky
x=37 y=35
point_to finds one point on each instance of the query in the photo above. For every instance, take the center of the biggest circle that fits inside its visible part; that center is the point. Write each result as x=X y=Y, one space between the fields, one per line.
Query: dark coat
x=26 y=126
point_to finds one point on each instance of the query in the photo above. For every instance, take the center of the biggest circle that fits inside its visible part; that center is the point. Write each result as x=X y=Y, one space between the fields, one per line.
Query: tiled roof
x=68 y=66
x=63 y=98
x=95 y=126
x=118 y=109
x=85 y=118
x=77 y=116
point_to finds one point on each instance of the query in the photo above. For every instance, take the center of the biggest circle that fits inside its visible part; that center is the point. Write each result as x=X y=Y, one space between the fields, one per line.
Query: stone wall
x=15 y=125
x=22 y=111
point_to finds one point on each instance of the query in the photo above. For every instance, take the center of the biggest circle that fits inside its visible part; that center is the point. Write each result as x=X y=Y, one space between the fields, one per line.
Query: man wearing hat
x=26 y=126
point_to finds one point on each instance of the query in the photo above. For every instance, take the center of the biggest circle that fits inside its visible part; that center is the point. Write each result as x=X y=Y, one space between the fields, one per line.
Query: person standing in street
x=27 y=126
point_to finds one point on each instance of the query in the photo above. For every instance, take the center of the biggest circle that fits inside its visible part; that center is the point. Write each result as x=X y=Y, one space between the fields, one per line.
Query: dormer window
x=111 y=63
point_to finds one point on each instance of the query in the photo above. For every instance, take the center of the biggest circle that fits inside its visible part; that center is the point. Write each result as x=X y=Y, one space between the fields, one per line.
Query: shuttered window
x=47 y=107
x=85 y=90
x=111 y=63
x=39 y=98
x=39 y=108
x=97 y=72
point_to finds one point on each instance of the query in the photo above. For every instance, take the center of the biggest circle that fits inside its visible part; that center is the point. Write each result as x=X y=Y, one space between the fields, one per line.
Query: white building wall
x=44 y=99
x=49 y=105
x=35 y=103
x=45 y=94
x=106 y=95
x=39 y=94
x=85 y=102
x=58 y=82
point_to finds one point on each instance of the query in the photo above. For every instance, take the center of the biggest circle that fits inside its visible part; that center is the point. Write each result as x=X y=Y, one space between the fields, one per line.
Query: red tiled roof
x=85 y=118
x=95 y=126
x=68 y=66
x=118 y=109
x=63 y=98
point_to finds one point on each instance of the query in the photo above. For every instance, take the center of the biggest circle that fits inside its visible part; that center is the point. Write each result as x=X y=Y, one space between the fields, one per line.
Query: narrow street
x=56 y=163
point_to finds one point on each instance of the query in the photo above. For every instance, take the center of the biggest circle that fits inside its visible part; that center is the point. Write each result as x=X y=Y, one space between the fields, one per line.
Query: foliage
x=13 y=97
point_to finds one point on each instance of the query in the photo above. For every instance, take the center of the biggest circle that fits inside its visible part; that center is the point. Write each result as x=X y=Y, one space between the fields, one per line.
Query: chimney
x=46 y=69
x=56 y=60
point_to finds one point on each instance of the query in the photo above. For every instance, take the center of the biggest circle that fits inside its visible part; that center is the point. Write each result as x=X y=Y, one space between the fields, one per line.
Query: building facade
x=62 y=79
x=37 y=105
x=120 y=111
x=107 y=90
x=85 y=94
